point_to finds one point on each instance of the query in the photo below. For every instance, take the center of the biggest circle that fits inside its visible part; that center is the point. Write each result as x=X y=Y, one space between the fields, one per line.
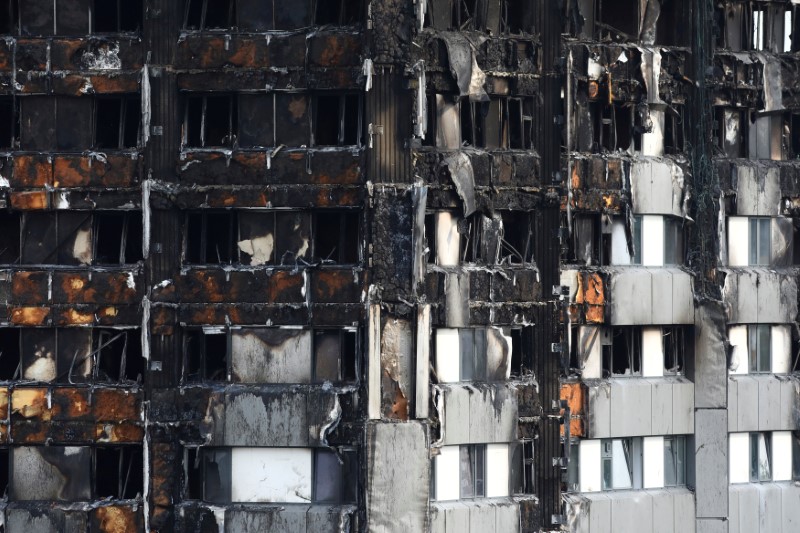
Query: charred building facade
x=399 y=265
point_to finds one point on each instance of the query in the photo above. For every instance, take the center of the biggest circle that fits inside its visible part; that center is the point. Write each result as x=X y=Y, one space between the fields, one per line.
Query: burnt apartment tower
x=274 y=265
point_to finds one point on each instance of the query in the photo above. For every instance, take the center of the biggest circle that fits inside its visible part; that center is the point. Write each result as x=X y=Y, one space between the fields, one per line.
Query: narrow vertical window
x=760 y=348
x=760 y=456
x=637 y=240
x=674 y=461
x=760 y=241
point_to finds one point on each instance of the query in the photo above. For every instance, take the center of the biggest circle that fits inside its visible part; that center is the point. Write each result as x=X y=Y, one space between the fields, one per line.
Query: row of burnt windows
x=267 y=15
x=623 y=126
x=743 y=133
x=209 y=120
x=71 y=237
x=270 y=355
x=71 y=473
x=291 y=119
x=492 y=16
x=71 y=355
x=501 y=123
x=248 y=237
x=256 y=237
x=70 y=123
x=505 y=238
x=70 y=17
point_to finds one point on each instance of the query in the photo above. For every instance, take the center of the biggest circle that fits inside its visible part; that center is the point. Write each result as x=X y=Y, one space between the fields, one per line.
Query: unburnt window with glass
x=256 y=237
x=676 y=341
x=471 y=471
x=271 y=355
x=759 y=344
x=621 y=463
x=761 y=456
x=674 y=461
x=285 y=475
x=760 y=241
x=473 y=354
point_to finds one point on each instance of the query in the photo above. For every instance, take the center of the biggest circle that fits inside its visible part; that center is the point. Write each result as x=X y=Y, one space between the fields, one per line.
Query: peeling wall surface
x=399 y=265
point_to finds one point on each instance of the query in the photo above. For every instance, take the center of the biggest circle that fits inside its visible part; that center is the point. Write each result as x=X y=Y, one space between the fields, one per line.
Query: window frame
x=677 y=344
x=757 y=475
x=230 y=140
x=677 y=454
x=342 y=111
x=756 y=335
x=202 y=27
x=634 y=457
x=755 y=227
x=472 y=465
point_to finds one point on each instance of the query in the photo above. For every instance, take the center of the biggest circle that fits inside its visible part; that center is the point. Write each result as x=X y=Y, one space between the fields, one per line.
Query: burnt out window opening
x=491 y=16
x=86 y=473
x=321 y=476
x=209 y=14
x=210 y=353
x=623 y=357
x=335 y=355
x=674 y=133
x=117 y=122
x=117 y=238
x=71 y=355
x=337 y=120
x=79 y=238
x=505 y=238
x=10 y=237
x=116 y=16
x=502 y=123
x=674 y=346
x=9 y=122
x=255 y=237
x=210 y=121
x=730 y=128
x=338 y=12
x=118 y=472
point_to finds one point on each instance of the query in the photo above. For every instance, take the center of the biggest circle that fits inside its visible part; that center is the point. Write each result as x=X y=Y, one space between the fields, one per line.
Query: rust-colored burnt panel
x=32 y=171
x=29 y=288
x=102 y=288
x=211 y=51
x=116 y=519
x=285 y=287
x=162 y=318
x=127 y=82
x=69 y=432
x=70 y=404
x=573 y=393
x=204 y=314
x=595 y=314
x=3 y=434
x=31 y=54
x=6 y=55
x=3 y=403
x=96 y=54
x=29 y=316
x=71 y=171
x=29 y=403
x=165 y=462
x=203 y=286
x=74 y=317
x=71 y=84
x=336 y=286
x=119 y=433
x=114 y=405
x=335 y=50
x=241 y=168
x=29 y=431
x=336 y=168
x=30 y=200
x=590 y=289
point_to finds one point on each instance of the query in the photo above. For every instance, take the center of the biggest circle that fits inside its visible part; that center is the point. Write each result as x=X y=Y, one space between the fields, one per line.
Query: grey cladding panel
x=599 y=410
x=662 y=407
x=769 y=403
x=662 y=296
x=493 y=414
x=747 y=404
x=682 y=407
x=456 y=414
x=710 y=361
x=663 y=512
x=277 y=419
x=631 y=512
x=711 y=460
x=481 y=517
x=631 y=297
x=684 y=511
x=275 y=519
x=631 y=406
x=711 y=525
x=397 y=488
x=791 y=510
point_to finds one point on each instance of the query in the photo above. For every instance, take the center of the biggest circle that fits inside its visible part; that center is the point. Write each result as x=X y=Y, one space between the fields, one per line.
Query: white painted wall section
x=737 y=336
x=781 y=455
x=271 y=475
x=738 y=241
x=589 y=457
x=447 y=471
x=653 y=462
x=652 y=353
x=652 y=240
x=447 y=239
x=447 y=355
x=496 y=470
x=781 y=349
x=739 y=457
x=619 y=244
